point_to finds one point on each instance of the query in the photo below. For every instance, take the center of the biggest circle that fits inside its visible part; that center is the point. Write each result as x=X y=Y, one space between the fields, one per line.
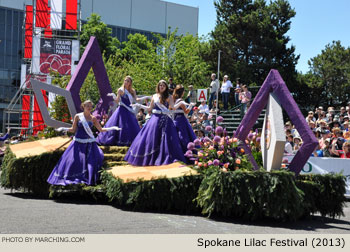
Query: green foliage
x=323 y=193
x=245 y=194
x=251 y=195
x=95 y=27
x=59 y=108
x=252 y=37
x=330 y=72
x=28 y=173
x=162 y=194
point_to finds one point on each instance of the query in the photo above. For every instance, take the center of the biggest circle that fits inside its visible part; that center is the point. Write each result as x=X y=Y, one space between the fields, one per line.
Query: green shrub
x=29 y=173
x=251 y=195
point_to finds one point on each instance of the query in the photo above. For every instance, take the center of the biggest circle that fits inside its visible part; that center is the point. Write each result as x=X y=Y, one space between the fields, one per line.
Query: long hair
x=178 y=92
x=86 y=102
x=163 y=96
x=127 y=77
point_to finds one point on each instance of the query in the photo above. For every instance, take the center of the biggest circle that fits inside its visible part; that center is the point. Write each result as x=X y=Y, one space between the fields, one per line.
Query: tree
x=181 y=58
x=95 y=27
x=330 y=72
x=252 y=37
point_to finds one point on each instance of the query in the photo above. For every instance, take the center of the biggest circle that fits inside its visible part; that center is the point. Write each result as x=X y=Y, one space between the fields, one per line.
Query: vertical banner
x=25 y=112
x=42 y=13
x=36 y=55
x=38 y=121
x=28 y=38
x=71 y=14
x=56 y=14
x=75 y=55
x=48 y=30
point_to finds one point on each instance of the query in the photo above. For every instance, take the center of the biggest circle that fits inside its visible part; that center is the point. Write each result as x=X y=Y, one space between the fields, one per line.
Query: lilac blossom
x=190 y=146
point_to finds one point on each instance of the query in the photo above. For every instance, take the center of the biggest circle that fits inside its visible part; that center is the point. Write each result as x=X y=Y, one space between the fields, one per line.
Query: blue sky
x=316 y=24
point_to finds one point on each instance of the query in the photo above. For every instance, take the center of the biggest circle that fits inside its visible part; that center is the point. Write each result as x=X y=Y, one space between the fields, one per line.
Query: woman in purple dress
x=184 y=128
x=82 y=160
x=158 y=142
x=123 y=117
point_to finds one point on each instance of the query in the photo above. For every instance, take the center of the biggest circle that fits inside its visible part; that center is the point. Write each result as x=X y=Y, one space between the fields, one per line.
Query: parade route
x=24 y=214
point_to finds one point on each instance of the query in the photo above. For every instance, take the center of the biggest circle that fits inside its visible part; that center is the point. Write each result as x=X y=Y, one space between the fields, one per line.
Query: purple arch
x=92 y=57
x=275 y=84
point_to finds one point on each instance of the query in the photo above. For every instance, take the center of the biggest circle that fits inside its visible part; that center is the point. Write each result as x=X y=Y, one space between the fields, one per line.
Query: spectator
x=346 y=126
x=203 y=108
x=297 y=144
x=327 y=148
x=325 y=134
x=288 y=147
x=214 y=87
x=2 y=142
x=318 y=112
x=346 y=135
x=342 y=112
x=245 y=96
x=225 y=91
x=192 y=95
x=6 y=136
x=172 y=86
x=310 y=117
x=237 y=91
x=344 y=152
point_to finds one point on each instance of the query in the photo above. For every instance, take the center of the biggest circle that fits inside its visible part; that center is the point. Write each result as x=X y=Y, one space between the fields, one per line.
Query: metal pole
x=217 y=91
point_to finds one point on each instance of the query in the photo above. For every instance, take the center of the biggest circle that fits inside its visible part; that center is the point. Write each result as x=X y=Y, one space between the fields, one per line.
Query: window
x=9 y=17
x=2 y=16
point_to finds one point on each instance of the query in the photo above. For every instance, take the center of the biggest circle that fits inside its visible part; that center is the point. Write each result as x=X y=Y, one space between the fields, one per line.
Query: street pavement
x=25 y=214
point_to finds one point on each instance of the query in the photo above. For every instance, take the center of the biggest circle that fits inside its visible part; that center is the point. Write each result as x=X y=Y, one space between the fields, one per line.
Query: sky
x=316 y=24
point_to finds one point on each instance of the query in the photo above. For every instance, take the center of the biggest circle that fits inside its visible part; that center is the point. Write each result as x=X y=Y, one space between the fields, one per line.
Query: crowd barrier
x=323 y=165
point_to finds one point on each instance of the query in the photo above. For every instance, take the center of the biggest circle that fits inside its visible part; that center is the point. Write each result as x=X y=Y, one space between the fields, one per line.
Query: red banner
x=38 y=122
x=42 y=16
x=48 y=30
x=28 y=41
x=25 y=114
x=71 y=14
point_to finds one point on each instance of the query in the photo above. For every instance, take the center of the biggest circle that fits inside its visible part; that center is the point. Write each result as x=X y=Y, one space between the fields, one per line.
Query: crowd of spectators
x=330 y=127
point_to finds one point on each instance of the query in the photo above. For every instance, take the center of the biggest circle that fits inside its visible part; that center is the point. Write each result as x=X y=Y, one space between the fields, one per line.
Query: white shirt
x=214 y=86
x=288 y=148
x=203 y=108
x=225 y=88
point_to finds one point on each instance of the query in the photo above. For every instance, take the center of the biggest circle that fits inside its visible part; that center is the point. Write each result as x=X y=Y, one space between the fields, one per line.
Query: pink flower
x=219 y=119
x=196 y=142
x=216 y=162
x=190 y=146
x=238 y=161
x=216 y=139
x=208 y=128
x=219 y=130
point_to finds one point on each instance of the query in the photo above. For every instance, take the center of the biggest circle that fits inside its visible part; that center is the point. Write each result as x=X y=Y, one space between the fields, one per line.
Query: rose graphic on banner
x=55 y=55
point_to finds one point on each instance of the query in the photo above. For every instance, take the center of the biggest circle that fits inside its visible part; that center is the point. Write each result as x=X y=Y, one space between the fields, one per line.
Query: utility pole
x=217 y=91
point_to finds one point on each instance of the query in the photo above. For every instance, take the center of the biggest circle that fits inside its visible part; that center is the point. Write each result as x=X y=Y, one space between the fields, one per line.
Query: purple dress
x=184 y=130
x=124 y=119
x=157 y=143
x=80 y=163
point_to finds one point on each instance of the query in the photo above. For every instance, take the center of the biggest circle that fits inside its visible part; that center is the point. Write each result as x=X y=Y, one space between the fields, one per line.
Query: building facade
x=123 y=16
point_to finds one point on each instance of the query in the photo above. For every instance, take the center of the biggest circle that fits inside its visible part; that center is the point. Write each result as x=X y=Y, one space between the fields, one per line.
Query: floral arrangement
x=218 y=151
